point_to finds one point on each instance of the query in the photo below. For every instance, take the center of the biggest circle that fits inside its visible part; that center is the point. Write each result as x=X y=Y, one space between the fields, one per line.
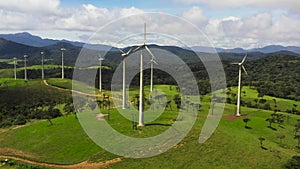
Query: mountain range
x=36 y=41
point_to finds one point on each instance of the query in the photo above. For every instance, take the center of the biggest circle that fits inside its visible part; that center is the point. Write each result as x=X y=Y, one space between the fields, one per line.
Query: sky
x=226 y=23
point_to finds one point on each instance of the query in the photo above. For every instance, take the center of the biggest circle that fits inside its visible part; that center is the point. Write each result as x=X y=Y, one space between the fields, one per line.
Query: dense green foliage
x=21 y=101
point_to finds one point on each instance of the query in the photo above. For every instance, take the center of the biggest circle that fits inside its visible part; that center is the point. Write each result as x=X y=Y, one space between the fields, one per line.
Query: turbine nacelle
x=241 y=64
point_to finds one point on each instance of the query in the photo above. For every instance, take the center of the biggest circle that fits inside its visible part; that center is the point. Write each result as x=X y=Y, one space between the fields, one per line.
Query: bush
x=294 y=163
x=20 y=120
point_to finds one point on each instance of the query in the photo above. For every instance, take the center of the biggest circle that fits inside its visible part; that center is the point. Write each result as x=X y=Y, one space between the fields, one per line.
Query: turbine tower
x=42 y=53
x=141 y=103
x=25 y=67
x=15 y=68
x=241 y=66
x=62 y=63
x=124 y=55
x=100 y=58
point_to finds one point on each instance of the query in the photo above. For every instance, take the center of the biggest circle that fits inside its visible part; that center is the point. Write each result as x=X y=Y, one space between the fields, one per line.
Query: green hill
x=231 y=146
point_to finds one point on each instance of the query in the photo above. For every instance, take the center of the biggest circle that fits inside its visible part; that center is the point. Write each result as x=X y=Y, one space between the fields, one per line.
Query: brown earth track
x=84 y=164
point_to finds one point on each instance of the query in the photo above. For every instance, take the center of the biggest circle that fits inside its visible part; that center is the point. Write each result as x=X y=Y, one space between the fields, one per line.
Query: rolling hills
x=38 y=122
x=64 y=142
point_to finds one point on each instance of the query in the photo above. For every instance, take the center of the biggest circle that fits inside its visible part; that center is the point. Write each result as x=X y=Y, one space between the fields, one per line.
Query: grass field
x=10 y=82
x=231 y=146
x=68 y=84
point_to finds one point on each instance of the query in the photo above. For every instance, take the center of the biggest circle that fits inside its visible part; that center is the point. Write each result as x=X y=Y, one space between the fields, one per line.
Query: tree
x=177 y=100
x=246 y=120
x=261 y=140
x=298 y=139
x=281 y=137
x=297 y=127
x=270 y=120
x=169 y=104
x=20 y=120
x=294 y=163
x=69 y=108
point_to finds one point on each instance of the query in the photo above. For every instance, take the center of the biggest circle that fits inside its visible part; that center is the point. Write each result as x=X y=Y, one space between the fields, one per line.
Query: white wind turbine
x=124 y=55
x=25 y=67
x=141 y=103
x=241 y=66
x=62 y=63
x=153 y=60
x=15 y=68
x=100 y=58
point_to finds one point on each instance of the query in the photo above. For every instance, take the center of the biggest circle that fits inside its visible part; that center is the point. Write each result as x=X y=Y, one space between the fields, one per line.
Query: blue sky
x=228 y=23
x=168 y=6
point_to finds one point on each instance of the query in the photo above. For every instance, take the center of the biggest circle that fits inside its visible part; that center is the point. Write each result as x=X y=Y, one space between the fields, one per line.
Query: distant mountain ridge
x=266 y=49
x=36 y=41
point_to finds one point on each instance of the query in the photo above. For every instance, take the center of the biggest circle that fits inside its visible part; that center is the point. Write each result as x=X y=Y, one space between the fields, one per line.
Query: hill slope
x=231 y=146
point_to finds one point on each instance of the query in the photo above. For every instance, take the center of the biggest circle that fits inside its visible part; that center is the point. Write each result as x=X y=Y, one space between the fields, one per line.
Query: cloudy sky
x=227 y=23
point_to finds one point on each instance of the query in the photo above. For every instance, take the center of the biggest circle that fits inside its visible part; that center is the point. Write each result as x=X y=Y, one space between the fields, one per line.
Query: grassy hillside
x=250 y=98
x=22 y=100
x=231 y=146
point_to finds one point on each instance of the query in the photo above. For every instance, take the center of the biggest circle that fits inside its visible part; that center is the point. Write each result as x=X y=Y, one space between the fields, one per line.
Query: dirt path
x=83 y=165
x=75 y=91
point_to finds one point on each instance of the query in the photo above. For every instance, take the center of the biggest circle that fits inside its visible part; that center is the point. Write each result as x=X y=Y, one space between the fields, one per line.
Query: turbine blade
x=129 y=51
x=153 y=57
x=244 y=59
x=136 y=49
x=144 y=33
x=154 y=62
x=121 y=50
x=234 y=63
x=245 y=70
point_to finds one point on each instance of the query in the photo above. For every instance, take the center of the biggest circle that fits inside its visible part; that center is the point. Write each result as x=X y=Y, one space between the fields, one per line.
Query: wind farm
x=149 y=90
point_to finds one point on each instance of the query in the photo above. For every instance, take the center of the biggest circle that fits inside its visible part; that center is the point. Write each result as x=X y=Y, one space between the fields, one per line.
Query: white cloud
x=31 y=6
x=291 y=5
x=262 y=28
x=227 y=31
x=196 y=16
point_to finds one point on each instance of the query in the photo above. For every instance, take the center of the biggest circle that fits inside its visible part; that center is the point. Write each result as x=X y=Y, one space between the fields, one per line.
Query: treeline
x=20 y=104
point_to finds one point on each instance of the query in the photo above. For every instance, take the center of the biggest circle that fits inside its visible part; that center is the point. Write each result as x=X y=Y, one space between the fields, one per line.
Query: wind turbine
x=25 y=67
x=241 y=66
x=62 y=63
x=100 y=58
x=124 y=55
x=141 y=104
x=15 y=68
x=42 y=53
x=153 y=60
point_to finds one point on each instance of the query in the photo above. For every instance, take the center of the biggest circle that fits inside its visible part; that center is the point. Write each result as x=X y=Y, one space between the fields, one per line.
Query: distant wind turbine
x=62 y=63
x=153 y=60
x=25 y=67
x=43 y=76
x=100 y=58
x=241 y=66
x=15 y=68
x=124 y=55
x=141 y=104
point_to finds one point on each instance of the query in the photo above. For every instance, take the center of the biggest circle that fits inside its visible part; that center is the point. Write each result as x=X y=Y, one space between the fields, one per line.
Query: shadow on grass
x=247 y=127
x=272 y=128
x=264 y=148
x=157 y=124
